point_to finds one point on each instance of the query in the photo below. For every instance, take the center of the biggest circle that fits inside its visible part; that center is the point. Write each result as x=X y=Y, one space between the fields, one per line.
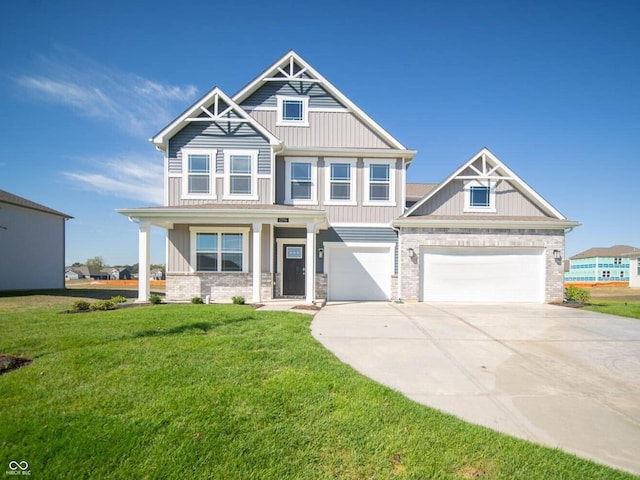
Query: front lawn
x=623 y=309
x=225 y=392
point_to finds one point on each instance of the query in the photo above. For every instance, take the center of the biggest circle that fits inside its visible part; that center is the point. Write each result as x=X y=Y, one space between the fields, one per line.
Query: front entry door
x=293 y=282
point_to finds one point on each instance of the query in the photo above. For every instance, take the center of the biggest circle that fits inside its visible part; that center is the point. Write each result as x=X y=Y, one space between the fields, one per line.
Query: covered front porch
x=222 y=251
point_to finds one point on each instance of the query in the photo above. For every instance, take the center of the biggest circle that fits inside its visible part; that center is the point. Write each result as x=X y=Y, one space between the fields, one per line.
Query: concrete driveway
x=558 y=376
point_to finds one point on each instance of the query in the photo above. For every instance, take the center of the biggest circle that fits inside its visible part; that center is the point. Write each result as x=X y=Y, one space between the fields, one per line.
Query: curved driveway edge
x=553 y=375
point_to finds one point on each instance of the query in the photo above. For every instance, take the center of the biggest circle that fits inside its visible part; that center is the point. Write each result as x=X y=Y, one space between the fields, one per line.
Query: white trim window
x=379 y=182
x=293 y=111
x=301 y=181
x=198 y=167
x=480 y=196
x=216 y=250
x=340 y=181
x=240 y=174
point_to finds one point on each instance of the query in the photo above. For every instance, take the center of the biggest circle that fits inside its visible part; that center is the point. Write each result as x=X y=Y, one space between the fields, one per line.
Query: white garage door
x=483 y=275
x=358 y=272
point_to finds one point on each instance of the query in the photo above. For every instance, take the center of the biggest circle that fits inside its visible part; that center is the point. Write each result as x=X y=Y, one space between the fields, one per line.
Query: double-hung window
x=240 y=174
x=379 y=182
x=198 y=166
x=219 y=250
x=340 y=181
x=479 y=196
x=292 y=111
x=300 y=181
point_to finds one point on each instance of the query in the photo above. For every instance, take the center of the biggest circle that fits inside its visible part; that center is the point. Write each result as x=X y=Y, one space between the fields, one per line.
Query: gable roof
x=614 y=251
x=279 y=71
x=10 y=198
x=223 y=107
x=493 y=168
x=415 y=191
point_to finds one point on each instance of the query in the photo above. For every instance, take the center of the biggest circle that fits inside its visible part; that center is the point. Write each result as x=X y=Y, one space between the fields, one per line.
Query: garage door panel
x=483 y=275
x=359 y=273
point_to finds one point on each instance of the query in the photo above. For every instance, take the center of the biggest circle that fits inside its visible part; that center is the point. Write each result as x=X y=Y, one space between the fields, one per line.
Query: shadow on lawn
x=203 y=328
x=94 y=293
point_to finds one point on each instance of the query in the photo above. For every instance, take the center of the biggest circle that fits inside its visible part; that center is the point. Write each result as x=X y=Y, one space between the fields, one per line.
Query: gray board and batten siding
x=451 y=201
x=179 y=248
x=341 y=235
x=359 y=213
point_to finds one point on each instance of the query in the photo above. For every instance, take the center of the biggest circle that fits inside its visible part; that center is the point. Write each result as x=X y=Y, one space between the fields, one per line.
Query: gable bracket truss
x=486 y=173
x=216 y=115
x=288 y=74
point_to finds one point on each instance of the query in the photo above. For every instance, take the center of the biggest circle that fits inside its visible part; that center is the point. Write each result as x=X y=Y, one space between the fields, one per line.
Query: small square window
x=292 y=111
x=479 y=196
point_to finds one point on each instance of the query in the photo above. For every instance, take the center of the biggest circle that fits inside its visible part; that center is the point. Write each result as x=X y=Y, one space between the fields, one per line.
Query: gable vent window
x=479 y=196
x=293 y=111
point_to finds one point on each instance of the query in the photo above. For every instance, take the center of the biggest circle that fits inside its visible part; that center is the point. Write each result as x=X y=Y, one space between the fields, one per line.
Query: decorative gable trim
x=490 y=170
x=214 y=107
x=292 y=67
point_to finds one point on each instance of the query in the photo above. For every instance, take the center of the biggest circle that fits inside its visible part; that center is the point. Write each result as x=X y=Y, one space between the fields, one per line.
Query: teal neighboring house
x=602 y=265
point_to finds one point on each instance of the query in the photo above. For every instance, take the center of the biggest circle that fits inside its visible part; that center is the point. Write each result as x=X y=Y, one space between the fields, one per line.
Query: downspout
x=399 y=283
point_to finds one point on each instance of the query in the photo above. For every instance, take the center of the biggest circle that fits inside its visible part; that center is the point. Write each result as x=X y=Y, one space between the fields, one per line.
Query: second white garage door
x=358 y=272
x=482 y=275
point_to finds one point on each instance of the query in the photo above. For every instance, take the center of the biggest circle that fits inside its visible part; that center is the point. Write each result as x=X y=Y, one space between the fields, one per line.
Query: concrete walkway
x=553 y=375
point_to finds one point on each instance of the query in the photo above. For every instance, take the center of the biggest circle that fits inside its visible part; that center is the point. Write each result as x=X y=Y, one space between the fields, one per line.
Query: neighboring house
x=597 y=266
x=72 y=274
x=288 y=189
x=634 y=269
x=157 y=274
x=113 y=273
x=32 y=244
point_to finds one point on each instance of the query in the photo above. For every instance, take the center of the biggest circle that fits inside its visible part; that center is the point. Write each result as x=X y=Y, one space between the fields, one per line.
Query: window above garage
x=480 y=196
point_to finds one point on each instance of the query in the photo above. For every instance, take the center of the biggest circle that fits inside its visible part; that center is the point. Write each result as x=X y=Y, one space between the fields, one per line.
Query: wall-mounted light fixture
x=320 y=252
x=412 y=253
x=557 y=256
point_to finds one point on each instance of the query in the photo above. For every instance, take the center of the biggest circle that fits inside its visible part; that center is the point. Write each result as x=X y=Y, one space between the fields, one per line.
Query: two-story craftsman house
x=289 y=189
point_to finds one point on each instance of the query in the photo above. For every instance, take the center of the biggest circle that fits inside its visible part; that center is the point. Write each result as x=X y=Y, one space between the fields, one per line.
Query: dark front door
x=293 y=270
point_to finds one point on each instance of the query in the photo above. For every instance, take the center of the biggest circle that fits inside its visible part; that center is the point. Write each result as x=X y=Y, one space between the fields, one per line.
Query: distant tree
x=76 y=264
x=96 y=263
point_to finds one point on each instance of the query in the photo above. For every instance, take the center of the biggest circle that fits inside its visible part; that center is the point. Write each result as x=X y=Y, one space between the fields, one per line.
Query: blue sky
x=550 y=87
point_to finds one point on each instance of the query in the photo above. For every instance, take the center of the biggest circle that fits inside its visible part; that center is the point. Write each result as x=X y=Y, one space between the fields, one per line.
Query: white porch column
x=310 y=267
x=257 y=262
x=144 y=271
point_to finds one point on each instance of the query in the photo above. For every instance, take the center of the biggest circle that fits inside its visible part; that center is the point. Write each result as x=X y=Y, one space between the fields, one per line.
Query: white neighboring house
x=634 y=269
x=32 y=242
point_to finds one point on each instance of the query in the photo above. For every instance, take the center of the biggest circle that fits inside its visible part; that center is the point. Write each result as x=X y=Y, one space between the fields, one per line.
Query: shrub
x=197 y=300
x=102 y=305
x=118 y=299
x=155 y=299
x=80 y=306
x=575 y=294
x=238 y=300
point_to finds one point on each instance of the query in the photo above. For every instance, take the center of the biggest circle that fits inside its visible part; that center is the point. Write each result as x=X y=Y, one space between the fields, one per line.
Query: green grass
x=202 y=391
x=621 y=308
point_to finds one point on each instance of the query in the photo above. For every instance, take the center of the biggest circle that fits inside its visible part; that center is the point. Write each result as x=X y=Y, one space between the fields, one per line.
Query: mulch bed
x=9 y=363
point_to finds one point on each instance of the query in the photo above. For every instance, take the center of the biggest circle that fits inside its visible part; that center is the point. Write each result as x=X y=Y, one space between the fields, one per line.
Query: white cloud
x=134 y=104
x=131 y=176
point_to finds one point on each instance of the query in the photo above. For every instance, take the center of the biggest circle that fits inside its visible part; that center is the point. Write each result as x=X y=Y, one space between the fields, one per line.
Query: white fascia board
x=350 y=152
x=259 y=80
x=160 y=140
x=485 y=224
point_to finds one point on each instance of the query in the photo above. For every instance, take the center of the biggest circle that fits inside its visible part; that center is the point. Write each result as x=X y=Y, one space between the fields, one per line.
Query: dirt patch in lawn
x=9 y=363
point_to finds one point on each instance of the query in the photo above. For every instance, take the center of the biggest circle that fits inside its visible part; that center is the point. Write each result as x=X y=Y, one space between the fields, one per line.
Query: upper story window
x=293 y=111
x=617 y=261
x=240 y=179
x=219 y=250
x=379 y=182
x=198 y=166
x=479 y=196
x=300 y=181
x=340 y=181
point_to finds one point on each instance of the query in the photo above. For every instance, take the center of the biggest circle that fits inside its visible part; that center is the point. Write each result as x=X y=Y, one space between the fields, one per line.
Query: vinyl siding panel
x=266 y=95
x=220 y=137
x=175 y=192
x=178 y=251
x=359 y=213
x=509 y=202
x=326 y=129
